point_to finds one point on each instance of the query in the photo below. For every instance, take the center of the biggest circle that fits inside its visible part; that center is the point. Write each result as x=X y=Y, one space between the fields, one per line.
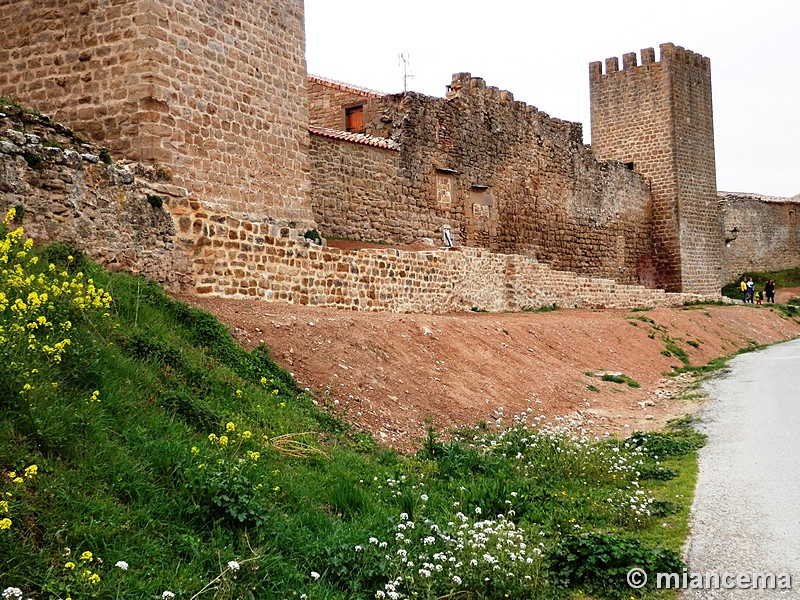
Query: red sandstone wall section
x=701 y=239
x=63 y=191
x=356 y=191
x=767 y=234
x=215 y=91
x=656 y=117
x=500 y=173
x=80 y=62
x=328 y=100
x=68 y=194
x=273 y=268
x=632 y=123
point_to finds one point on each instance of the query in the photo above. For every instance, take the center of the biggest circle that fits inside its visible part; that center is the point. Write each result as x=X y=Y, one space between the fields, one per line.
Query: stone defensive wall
x=656 y=118
x=501 y=174
x=64 y=191
x=126 y=216
x=762 y=233
x=214 y=91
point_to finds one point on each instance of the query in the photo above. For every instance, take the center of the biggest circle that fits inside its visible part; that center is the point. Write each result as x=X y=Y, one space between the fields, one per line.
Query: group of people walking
x=749 y=293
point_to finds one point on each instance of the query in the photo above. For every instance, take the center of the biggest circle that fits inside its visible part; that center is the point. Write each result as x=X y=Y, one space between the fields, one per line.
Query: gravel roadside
x=746 y=511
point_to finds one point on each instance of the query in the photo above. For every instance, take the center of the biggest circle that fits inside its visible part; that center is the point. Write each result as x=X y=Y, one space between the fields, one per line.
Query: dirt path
x=391 y=373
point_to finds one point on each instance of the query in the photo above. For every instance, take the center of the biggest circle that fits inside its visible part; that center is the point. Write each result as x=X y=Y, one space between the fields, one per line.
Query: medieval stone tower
x=657 y=119
x=214 y=90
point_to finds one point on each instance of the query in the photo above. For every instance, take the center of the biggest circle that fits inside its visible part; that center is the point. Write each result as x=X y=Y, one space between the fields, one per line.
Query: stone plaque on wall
x=444 y=190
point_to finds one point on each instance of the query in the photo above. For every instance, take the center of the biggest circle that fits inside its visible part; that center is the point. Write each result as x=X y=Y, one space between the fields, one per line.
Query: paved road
x=746 y=512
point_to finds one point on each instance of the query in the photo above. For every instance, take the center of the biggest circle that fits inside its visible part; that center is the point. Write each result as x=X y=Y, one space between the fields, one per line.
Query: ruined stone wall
x=215 y=91
x=767 y=234
x=503 y=176
x=63 y=191
x=657 y=119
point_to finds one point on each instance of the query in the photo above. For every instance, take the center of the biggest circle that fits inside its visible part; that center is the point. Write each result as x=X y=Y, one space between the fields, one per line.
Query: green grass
x=542 y=309
x=139 y=472
x=613 y=378
x=782 y=279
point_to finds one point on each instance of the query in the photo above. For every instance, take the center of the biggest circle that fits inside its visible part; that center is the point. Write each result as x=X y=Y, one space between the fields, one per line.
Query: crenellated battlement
x=656 y=118
x=669 y=53
x=465 y=85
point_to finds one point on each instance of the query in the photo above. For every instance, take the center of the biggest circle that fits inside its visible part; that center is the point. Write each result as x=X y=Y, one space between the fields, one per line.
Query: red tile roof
x=356 y=138
x=345 y=87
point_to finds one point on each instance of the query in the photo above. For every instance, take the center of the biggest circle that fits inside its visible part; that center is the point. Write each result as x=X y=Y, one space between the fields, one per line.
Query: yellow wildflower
x=5 y=523
x=223 y=440
x=230 y=427
x=247 y=435
x=87 y=556
x=69 y=565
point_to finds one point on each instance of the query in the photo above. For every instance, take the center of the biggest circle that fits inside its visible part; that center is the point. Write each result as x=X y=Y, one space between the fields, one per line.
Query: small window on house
x=354 y=119
x=629 y=165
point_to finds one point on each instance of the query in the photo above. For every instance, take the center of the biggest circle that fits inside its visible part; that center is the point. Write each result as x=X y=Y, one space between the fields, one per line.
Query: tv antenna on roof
x=404 y=60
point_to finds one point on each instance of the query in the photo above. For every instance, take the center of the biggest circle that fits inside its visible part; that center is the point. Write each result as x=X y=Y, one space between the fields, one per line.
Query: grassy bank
x=145 y=455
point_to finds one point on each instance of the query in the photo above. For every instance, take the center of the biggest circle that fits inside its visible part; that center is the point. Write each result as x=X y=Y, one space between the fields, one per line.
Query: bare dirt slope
x=391 y=373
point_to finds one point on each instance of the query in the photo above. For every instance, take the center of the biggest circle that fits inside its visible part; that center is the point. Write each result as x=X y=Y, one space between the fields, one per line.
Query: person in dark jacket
x=769 y=290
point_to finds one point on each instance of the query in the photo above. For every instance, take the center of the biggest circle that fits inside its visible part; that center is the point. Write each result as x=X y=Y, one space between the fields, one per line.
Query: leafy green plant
x=598 y=563
x=225 y=479
x=621 y=379
x=541 y=309
x=678 y=439
x=313 y=235
x=33 y=159
x=155 y=200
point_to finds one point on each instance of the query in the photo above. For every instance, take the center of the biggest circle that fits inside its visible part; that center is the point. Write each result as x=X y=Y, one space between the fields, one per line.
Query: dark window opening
x=629 y=166
x=354 y=119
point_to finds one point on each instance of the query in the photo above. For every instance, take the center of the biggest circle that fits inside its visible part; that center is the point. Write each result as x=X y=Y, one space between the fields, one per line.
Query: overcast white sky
x=541 y=50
